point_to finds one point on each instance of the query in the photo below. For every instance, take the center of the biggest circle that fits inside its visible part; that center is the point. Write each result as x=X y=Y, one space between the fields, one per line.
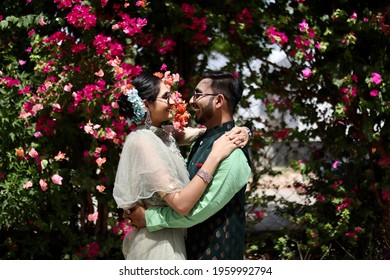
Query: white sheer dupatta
x=150 y=162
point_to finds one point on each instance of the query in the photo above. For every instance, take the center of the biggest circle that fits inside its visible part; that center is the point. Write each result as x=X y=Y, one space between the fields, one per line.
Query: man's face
x=202 y=102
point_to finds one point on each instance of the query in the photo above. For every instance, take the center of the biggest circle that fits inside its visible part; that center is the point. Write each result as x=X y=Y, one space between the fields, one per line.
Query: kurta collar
x=220 y=128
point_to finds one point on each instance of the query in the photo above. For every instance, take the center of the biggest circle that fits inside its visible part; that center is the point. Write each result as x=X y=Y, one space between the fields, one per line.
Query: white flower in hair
x=137 y=104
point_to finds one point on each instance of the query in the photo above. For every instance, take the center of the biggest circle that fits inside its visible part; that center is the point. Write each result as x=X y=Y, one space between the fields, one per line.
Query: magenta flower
x=374 y=92
x=307 y=72
x=276 y=36
x=259 y=214
x=81 y=16
x=376 y=78
x=303 y=26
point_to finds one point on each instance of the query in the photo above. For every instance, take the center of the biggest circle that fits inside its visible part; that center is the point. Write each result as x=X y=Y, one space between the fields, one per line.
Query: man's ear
x=219 y=100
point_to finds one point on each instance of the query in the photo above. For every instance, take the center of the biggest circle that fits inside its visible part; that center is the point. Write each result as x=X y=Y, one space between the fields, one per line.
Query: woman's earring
x=148 y=120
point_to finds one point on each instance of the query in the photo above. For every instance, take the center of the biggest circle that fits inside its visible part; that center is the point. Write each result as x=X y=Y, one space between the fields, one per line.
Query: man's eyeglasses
x=198 y=95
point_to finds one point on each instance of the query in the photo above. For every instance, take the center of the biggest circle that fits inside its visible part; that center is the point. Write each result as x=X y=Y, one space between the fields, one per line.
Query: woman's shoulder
x=141 y=137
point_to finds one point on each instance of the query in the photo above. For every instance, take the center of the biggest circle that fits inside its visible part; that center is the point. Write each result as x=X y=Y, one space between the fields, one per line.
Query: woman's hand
x=224 y=146
x=240 y=135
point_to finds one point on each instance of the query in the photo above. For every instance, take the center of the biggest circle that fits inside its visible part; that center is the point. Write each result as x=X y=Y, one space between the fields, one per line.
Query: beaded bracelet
x=204 y=175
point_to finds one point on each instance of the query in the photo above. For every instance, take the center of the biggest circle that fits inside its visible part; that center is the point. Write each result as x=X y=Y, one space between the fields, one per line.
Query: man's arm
x=232 y=174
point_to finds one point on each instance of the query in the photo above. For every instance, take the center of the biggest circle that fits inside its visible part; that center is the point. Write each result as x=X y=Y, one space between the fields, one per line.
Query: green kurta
x=219 y=215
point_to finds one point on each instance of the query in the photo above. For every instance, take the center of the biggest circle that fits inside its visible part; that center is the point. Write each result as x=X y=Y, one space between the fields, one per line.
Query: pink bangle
x=204 y=175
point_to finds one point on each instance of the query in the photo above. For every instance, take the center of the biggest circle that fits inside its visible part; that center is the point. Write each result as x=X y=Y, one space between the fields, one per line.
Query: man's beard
x=207 y=113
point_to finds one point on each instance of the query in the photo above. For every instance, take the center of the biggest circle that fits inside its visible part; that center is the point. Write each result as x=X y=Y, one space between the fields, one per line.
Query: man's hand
x=135 y=216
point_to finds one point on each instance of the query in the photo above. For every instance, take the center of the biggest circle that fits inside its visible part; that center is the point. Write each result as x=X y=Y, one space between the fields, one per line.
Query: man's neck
x=215 y=124
x=217 y=121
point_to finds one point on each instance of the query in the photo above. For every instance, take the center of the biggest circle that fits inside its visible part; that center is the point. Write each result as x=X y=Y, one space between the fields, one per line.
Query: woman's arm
x=188 y=135
x=184 y=200
x=241 y=135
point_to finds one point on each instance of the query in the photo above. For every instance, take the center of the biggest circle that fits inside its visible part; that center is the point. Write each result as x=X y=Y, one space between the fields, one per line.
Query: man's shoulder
x=237 y=153
x=237 y=158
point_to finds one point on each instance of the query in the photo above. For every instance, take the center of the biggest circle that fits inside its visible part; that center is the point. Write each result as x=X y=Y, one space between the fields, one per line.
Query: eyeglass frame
x=164 y=99
x=201 y=94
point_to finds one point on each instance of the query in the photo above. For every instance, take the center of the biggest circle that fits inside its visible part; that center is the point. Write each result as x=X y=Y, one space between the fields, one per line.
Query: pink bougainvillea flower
x=24 y=115
x=163 y=67
x=56 y=179
x=259 y=214
x=100 y=161
x=374 y=92
x=307 y=72
x=90 y=127
x=376 y=78
x=100 y=73
x=68 y=87
x=335 y=164
x=33 y=153
x=42 y=22
x=27 y=185
x=81 y=16
x=31 y=32
x=100 y=188
x=110 y=134
x=93 y=217
x=276 y=36
x=303 y=26
x=346 y=203
x=38 y=134
x=60 y=156
x=56 y=107
x=43 y=184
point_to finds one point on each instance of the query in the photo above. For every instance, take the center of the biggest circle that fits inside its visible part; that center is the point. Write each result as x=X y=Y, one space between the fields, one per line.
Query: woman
x=152 y=171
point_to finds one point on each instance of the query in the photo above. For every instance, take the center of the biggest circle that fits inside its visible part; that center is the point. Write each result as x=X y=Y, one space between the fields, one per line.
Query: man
x=216 y=224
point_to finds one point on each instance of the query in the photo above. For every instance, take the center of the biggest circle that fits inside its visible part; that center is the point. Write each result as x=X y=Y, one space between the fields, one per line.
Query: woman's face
x=160 y=110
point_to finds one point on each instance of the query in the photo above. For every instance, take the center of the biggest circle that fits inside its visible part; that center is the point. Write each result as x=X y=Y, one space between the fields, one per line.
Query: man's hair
x=226 y=84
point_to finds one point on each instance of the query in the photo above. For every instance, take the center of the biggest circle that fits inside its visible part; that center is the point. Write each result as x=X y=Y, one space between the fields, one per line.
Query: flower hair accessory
x=179 y=108
x=137 y=104
x=179 y=112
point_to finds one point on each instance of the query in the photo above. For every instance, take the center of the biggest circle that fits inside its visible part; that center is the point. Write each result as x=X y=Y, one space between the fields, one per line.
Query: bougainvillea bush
x=62 y=69
x=333 y=80
x=63 y=64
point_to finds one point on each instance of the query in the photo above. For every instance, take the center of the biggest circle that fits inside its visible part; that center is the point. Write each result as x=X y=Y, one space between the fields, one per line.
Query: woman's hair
x=148 y=87
x=227 y=84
